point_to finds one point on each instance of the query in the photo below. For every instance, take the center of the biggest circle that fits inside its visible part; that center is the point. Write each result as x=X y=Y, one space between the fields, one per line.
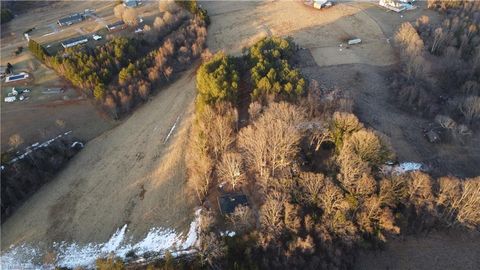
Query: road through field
x=128 y=175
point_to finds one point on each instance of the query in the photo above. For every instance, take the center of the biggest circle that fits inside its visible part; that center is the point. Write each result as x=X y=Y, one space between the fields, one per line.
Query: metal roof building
x=74 y=41
x=71 y=19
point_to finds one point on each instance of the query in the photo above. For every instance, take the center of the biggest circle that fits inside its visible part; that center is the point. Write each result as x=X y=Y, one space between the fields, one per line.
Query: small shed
x=229 y=202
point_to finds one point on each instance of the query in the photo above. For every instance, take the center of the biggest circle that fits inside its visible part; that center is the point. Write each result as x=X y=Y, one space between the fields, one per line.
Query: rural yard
x=132 y=171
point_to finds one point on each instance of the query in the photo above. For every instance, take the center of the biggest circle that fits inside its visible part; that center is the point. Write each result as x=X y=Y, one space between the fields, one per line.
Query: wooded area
x=441 y=66
x=312 y=173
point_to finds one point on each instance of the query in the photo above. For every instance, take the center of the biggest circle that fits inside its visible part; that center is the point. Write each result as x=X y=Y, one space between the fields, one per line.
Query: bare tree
x=312 y=184
x=168 y=5
x=272 y=141
x=118 y=10
x=15 y=140
x=412 y=50
x=130 y=16
x=158 y=23
x=242 y=218
x=210 y=249
x=438 y=40
x=231 y=169
x=468 y=212
x=271 y=214
x=218 y=124
x=343 y=125
x=331 y=199
x=254 y=110
x=470 y=108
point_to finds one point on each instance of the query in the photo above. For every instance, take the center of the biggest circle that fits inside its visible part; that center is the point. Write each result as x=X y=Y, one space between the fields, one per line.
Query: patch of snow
x=73 y=255
x=77 y=143
x=171 y=130
x=407 y=167
x=228 y=233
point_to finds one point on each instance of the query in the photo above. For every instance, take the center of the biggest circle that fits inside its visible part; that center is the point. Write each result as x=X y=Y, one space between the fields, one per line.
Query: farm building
x=71 y=19
x=116 y=26
x=74 y=41
x=130 y=3
x=228 y=203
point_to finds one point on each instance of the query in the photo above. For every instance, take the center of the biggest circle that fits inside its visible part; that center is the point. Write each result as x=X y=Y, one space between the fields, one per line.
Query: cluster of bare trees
x=212 y=148
x=442 y=64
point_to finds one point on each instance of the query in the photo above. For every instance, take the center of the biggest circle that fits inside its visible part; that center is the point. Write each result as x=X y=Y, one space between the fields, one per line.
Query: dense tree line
x=316 y=185
x=441 y=66
x=22 y=178
x=124 y=71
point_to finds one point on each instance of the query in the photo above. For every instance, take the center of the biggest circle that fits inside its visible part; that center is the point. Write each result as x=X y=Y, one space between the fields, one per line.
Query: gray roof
x=71 y=18
x=75 y=39
x=130 y=3
x=228 y=203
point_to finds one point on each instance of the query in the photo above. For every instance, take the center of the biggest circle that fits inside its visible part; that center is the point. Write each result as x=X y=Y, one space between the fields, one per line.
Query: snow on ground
x=73 y=255
x=407 y=167
x=402 y=168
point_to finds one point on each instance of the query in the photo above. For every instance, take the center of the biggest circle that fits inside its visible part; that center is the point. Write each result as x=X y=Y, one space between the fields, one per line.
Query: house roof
x=228 y=203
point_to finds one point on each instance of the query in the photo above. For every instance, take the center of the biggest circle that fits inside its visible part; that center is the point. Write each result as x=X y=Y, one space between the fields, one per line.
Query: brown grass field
x=100 y=189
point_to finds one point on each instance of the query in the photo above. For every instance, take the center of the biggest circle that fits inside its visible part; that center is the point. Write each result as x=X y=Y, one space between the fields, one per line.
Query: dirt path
x=129 y=175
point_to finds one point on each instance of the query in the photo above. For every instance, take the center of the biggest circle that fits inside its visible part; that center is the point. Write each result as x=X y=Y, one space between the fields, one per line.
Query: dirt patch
x=437 y=250
x=238 y=25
